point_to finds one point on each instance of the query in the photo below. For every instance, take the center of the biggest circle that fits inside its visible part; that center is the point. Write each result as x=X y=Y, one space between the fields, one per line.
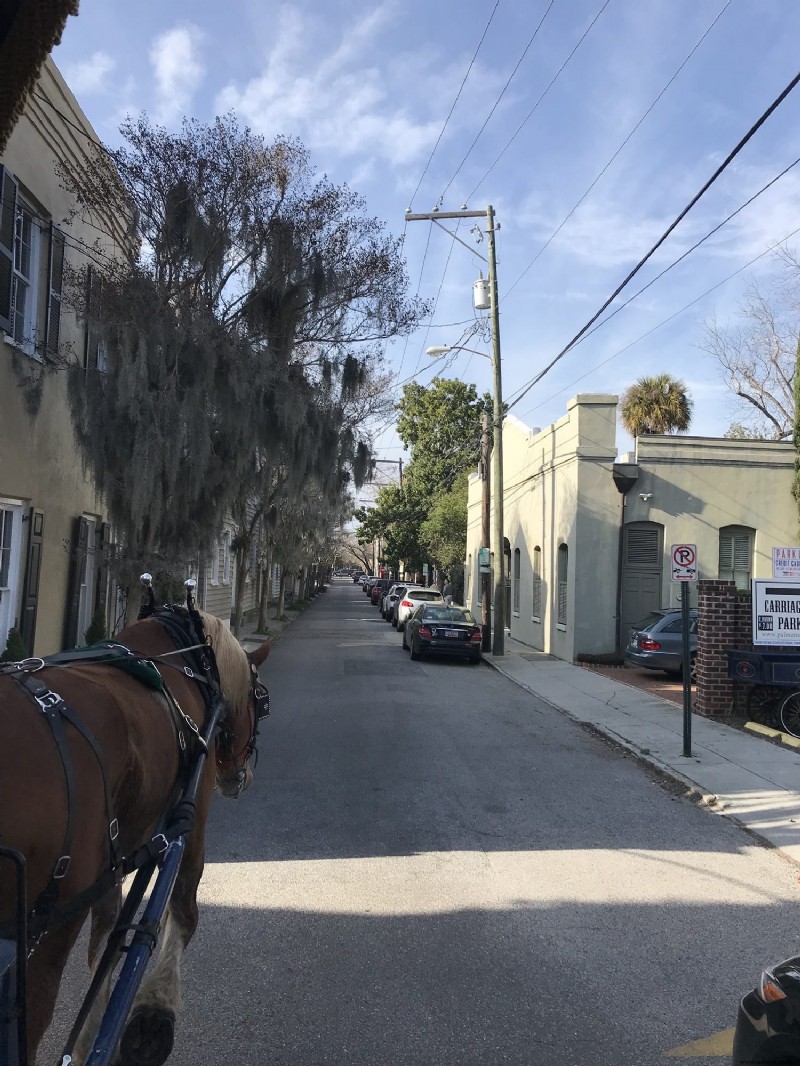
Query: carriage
x=131 y=737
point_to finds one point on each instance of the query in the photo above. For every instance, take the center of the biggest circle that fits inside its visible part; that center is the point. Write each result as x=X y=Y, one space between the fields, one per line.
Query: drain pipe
x=625 y=477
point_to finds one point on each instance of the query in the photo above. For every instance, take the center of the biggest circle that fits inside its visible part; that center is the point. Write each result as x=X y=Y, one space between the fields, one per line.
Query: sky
x=588 y=125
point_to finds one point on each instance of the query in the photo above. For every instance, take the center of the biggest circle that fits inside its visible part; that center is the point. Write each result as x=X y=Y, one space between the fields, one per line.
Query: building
x=588 y=537
x=54 y=533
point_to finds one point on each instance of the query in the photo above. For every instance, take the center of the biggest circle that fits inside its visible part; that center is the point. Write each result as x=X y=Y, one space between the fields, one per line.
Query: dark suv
x=657 y=642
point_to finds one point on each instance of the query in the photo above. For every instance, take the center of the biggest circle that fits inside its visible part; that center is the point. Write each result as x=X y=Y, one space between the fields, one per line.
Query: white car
x=411 y=599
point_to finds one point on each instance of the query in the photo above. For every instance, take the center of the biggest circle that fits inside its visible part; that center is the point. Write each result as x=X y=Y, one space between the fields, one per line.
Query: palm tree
x=657 y=404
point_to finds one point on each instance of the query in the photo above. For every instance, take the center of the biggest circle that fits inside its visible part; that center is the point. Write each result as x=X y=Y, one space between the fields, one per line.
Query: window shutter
x=537 y=582
x=77 y=573
x=642 y=547
x=725 y=554
x=741 y=552
x=55 y=282
x=8 y=209
x=30 y=594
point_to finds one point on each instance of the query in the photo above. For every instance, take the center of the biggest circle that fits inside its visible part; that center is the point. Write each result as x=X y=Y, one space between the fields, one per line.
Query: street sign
x=484 y=561
x=786 y=564
x=776 y=612
x=684 y=562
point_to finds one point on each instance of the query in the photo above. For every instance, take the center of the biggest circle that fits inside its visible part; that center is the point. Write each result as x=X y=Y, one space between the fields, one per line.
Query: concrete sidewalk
x=739 y=775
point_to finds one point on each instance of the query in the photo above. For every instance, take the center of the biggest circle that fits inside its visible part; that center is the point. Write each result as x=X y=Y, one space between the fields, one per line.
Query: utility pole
x=499 y=596
x=486 y=510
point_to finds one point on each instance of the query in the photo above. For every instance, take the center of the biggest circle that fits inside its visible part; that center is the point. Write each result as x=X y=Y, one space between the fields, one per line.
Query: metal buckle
x=28 y=665
x=159 y=837
x=61 y=868
x=182 y=741
x=188 y=671
x=113 y=830
x=48 y=700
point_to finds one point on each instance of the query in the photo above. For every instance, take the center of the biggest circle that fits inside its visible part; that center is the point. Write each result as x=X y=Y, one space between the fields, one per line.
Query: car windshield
x=425 y=594
x=449 y=614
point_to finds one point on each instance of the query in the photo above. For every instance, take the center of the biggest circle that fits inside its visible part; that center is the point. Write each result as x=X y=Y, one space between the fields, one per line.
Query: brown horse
x=137 y=729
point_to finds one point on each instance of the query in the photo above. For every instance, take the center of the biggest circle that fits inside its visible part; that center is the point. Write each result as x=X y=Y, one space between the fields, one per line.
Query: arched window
x=736 y=555
x=537 y=584
x=516 y=580
x=563 y=572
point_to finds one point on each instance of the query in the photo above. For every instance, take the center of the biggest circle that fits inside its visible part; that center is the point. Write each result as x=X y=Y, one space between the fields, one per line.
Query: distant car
x=768 y=1023
x=379 y=588
x=360 y=580
x=413 y=598
x=395 y=593
x=657 y=642
x=357 y=575
x=438 y=629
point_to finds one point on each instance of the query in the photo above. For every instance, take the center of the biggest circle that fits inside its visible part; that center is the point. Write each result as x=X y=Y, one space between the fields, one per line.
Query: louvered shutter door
x=726 y=557
x=30 y=594
x=8 y=208
x=642 y=548
x=54 y=286
x=537 y=583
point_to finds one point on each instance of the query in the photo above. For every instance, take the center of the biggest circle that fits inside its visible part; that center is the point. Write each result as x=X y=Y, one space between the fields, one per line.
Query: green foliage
x=658 y=404
x=97 y=628
x=445 y=529
x=15 y=647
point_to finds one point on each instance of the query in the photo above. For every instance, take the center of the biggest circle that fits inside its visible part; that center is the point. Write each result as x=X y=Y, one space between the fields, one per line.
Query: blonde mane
x=234 y=670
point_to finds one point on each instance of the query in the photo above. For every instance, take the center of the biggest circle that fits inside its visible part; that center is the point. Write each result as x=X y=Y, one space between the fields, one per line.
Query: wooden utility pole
x=486 y=508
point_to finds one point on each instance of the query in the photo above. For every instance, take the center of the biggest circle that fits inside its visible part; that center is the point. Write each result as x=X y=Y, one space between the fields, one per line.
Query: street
x=434 y=868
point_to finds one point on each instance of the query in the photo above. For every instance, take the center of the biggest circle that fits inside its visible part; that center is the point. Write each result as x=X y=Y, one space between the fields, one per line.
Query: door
x=10 y=560
x=642 y=562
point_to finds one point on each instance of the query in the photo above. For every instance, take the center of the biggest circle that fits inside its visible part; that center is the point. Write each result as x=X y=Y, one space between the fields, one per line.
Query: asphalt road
x=434 y=868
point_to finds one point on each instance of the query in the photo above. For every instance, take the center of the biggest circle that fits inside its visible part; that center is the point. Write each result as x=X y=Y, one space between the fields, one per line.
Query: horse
x=128 y=744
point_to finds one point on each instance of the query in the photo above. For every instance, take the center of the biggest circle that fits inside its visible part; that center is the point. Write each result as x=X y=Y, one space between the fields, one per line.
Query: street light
x=499 y=592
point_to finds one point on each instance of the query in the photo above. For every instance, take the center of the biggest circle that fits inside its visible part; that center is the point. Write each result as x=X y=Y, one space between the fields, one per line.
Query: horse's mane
x=234 y=671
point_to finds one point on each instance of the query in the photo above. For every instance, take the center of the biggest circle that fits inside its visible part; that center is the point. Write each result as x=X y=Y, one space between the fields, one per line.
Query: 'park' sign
x=786 y=564
x=776 y=612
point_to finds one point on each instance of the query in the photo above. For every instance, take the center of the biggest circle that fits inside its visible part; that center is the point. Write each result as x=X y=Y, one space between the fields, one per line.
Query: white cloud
x=178 y=71
x=90 y=75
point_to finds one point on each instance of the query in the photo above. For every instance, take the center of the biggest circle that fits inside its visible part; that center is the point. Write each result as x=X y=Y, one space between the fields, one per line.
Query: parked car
x=413 y=598
x=768 y=1023
x=379 y=588
x=657 y=642
x=393 y=594
x=360 y=580
x=437 y=629
x=357 y=576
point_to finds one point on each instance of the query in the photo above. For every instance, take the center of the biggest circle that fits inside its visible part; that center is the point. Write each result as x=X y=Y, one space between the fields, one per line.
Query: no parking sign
x=684 y=562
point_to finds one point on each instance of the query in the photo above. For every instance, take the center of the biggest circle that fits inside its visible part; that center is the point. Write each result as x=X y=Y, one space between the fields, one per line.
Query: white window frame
x=745 y=536
x=226 y=557
x=214 y=575
x=25 y=327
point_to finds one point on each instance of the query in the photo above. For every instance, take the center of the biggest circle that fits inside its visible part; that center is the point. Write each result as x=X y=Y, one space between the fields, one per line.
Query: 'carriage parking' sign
x=776 y=612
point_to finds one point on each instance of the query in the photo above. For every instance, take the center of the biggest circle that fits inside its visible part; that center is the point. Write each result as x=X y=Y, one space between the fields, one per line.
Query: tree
x=757 y=352
x=658 y=404
x=241 y=334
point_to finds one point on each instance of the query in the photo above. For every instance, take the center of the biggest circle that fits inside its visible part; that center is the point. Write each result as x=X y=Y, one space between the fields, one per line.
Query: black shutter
x=30 y=593
x=8 y=210
x=102 y=554
x=77 y=574
x=55 y=282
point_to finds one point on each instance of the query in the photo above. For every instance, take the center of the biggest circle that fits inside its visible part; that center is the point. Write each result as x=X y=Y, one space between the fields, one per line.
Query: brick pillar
x=719 y=624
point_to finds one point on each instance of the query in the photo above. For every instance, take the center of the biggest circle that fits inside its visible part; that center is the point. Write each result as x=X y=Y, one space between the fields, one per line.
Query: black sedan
x=768 y=1025
x=435 y=629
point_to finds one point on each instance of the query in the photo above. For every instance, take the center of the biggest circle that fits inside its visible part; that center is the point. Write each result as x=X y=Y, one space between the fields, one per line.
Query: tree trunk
x=242 y=552
x=266 y=591
x=281 y=593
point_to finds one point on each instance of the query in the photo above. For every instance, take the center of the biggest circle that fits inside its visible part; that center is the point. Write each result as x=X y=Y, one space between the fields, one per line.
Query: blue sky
x=368 y=88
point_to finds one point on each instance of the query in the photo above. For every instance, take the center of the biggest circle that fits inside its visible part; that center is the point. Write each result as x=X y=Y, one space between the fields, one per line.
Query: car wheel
x=393 y=620
x=416 y=655
x=764 y=704
x=474 y=659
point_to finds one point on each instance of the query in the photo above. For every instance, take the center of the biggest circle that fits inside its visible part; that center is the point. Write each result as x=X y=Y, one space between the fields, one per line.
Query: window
x=226 y=557
x=537 y=584
x=214 y=576
x=516 y=580
x=563 y=563
x=25 y=240
x=736 y=555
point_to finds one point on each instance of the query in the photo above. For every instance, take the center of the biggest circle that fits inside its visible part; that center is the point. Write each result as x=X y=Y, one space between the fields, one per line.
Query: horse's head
x=238 y=674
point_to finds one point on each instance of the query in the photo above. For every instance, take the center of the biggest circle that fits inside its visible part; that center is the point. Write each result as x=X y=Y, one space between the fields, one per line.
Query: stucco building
x=588 y=534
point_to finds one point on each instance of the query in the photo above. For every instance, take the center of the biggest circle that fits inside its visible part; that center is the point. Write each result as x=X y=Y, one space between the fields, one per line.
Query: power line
x=722 y=167
x=633 y=130
x=43 y=99
x=546 y=91
x=664 y=322
x=497 y=101
x=458 y=95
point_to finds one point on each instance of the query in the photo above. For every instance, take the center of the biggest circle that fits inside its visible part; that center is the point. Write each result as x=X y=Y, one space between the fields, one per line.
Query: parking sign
x=684 y=562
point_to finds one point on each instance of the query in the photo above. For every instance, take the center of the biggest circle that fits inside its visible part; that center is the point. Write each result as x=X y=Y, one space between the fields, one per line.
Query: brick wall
x=724 y=624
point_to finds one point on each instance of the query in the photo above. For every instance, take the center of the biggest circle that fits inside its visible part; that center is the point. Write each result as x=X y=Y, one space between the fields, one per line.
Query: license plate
x=452 y=633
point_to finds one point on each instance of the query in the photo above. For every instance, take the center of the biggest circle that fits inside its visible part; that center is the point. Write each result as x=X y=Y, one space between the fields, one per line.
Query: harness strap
x=94 y=744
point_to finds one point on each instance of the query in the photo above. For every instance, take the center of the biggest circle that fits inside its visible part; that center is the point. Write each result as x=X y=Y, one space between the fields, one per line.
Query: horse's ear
x=260 y=654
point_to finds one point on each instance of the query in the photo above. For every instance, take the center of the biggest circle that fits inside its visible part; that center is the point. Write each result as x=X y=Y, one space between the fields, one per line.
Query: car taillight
x=424 y=631
x=406 y=603
x=476 y=636
x=646 y=644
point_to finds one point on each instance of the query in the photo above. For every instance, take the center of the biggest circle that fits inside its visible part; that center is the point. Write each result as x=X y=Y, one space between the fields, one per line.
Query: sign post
x=684 y=570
